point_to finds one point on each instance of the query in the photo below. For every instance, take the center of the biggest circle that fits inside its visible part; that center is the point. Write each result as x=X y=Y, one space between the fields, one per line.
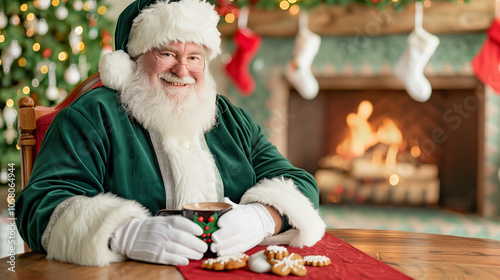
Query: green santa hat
x=148 y=24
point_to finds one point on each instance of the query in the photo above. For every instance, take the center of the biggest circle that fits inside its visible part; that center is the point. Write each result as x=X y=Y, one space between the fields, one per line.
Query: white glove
x=241 y=229
x=164 y=240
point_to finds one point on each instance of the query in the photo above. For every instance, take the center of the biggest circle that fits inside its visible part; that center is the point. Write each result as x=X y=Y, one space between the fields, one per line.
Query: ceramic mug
x=205 y=214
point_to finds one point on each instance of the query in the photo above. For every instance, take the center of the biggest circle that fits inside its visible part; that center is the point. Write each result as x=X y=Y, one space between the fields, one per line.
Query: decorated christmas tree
x=47 y=47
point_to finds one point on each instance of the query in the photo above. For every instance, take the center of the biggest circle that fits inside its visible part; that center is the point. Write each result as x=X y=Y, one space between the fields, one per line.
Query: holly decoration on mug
x=208 y=226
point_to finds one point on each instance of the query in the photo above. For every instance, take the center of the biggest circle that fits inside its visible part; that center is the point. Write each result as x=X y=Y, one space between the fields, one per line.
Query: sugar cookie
x=317 y=260
x=226 y=262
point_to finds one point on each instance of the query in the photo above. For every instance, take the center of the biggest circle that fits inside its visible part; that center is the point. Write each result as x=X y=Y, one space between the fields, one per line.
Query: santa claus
x=157 y=135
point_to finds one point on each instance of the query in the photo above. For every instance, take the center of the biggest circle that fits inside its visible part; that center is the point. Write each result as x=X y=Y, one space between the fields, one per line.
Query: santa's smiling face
x=178 y=68
x=172 y=100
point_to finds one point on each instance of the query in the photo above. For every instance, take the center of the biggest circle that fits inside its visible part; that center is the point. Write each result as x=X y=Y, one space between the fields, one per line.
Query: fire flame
x=362 y=136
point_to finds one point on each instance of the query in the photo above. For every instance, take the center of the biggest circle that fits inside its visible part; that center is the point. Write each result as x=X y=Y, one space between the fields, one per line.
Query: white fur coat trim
x=82 y=232
x=283 y=195
x=193 y=171
x=185 y=21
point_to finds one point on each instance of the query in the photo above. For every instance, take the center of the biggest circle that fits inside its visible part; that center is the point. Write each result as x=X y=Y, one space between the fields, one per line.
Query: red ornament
x=209 y=240
x=211 y=219
x=204 y=240
x=46 y=53
x=208 y=234
x=203 y=235
x=200 y=219
x=106 y=37
x=207 y=228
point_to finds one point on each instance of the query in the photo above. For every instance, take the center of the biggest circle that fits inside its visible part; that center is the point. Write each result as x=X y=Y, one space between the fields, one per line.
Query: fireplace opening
x=382 y=147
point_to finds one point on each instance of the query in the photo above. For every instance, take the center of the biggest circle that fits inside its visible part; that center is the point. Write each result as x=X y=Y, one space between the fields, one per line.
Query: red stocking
x=247 y=45
x=486 y=63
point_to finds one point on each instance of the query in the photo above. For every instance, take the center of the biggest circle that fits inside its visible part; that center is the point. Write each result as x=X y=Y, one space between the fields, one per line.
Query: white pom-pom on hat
x=116 y=68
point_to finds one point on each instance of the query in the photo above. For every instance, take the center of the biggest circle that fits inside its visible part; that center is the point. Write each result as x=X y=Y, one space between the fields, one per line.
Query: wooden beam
x=357 y=19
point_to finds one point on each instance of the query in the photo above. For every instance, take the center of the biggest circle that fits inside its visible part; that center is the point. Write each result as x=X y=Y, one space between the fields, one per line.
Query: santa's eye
x=166 y=55
x=195 y=58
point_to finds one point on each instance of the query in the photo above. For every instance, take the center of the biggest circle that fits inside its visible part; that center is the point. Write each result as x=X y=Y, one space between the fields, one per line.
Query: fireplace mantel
x=357 y=19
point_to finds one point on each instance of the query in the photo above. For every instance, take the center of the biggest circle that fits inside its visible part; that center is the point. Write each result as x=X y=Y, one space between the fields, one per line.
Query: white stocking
x=410 y=67
x=298 y=72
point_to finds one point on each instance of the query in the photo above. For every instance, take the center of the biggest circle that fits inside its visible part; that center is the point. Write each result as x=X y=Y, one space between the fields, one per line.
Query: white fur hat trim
x=184 y=21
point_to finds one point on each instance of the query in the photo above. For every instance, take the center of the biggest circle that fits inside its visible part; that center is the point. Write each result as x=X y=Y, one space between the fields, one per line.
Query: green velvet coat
x=93 y=146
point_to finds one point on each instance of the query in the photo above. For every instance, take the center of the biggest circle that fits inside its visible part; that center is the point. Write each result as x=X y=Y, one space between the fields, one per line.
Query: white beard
x=181 y=121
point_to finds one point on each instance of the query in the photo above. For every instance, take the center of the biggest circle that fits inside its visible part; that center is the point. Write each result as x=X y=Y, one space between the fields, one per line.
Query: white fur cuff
x=283 y=195
x=82 y=232
x=115 y=69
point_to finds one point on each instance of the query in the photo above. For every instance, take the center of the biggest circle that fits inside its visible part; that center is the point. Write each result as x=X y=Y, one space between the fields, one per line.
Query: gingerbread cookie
x=225 y=263
x=317 y=260
x=276 y=252
x=292 y=264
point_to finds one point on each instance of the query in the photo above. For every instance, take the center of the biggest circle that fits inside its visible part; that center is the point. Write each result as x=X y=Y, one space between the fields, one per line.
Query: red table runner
x=348 y=263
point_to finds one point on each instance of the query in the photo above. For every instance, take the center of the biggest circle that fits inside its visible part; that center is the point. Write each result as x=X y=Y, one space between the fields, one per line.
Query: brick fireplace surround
x=449 y=216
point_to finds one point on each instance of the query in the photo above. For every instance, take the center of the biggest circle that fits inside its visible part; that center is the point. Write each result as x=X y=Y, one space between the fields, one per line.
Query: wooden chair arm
x=26 y=127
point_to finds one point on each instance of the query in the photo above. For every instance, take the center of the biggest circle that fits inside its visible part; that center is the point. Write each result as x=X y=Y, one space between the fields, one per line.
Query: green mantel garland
x=309 y=4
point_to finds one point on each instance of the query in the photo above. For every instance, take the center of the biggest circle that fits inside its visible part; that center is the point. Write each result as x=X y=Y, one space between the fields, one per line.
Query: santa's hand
x=241 y=229
x=165 y=240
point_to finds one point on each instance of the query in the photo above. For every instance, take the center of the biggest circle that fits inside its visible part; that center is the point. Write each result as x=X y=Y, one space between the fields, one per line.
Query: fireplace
x=436 y=164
